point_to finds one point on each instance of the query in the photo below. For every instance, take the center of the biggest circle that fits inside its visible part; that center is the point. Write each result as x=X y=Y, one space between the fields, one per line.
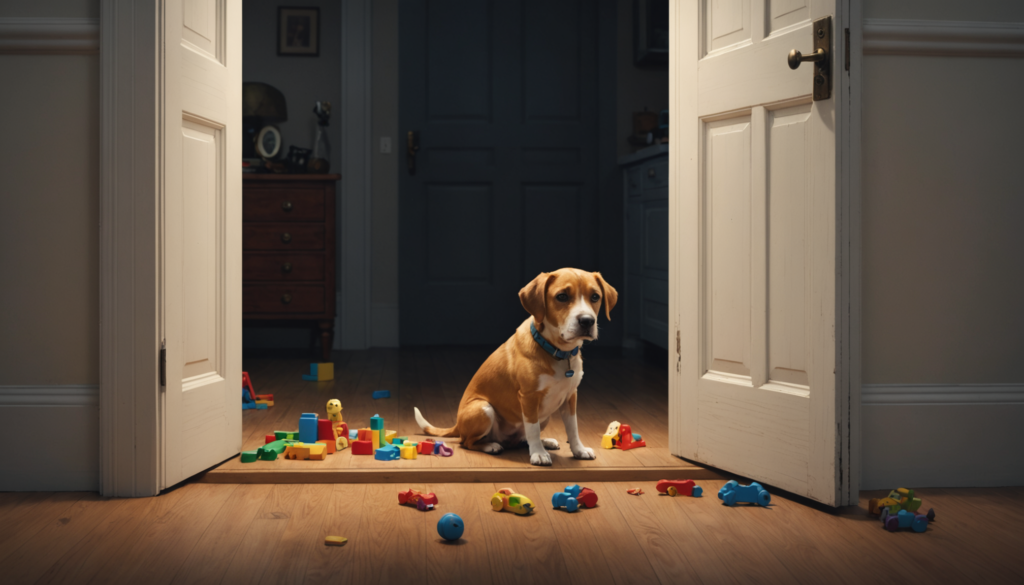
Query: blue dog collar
x=554 y=351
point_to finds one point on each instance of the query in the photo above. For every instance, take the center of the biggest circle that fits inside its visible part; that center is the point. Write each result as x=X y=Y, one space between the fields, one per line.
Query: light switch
x=385 y=145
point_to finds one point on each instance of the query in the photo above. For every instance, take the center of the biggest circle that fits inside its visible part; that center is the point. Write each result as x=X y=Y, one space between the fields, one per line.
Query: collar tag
x=569 y=373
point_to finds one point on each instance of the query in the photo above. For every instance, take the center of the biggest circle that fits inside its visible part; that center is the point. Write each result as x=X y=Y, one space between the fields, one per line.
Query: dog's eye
x=562 y=297
x=595 y=297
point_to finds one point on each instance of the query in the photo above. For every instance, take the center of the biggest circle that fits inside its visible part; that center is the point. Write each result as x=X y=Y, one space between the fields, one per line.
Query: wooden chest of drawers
x=288 y=245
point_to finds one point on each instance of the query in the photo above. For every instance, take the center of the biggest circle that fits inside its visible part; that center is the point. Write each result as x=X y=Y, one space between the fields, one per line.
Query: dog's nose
x=585 y=321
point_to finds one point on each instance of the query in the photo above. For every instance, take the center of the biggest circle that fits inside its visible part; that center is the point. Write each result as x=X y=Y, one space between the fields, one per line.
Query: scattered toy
x=308 y=427
x=443 y=450
x=573 y=497
x=898 y=499
x=361 y=447
x=504 y=499
x=335 y=540
x=685 y=487
x=635 y=491
x=247 y=386
x=450 y=527
x=314 y=451
x=249 y=456
x=733 y=493
x=334 y=410
x=320 y=372
x=286 y=435
x=408 y=452
x=331 y=444
x=611 y=435
x=248 y=403
x=377 y=431
x=621 y=436
x=381 y=394
x=269 y=438
x=425 y=448
x=906 y=519
x=423 y=502
x=386 y=453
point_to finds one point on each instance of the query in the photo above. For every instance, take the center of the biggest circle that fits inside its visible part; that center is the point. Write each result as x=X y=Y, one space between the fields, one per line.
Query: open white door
x=202 y=251
x=761 y=276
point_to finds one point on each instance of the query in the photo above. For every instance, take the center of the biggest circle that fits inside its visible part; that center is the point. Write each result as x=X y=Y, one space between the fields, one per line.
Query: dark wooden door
x=503 y=96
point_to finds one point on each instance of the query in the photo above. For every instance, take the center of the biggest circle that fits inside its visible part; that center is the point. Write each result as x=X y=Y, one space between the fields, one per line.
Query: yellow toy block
x=269 y=403
x=320 y=372
x=390 y=436
x=375 y=439
x=608 y=442
x=408 y=451
x=335 y=540
x=316 y=451
x=410 y=443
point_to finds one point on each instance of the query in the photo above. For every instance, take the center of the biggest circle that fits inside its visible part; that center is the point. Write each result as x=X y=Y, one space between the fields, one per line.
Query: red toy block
x=270 y=438
x=362 y=447
x=324 y=432
x=365 y=435
x=626 y=441
x=332 y=447
x=269 y=397
x=425 y=447
x=247 y=385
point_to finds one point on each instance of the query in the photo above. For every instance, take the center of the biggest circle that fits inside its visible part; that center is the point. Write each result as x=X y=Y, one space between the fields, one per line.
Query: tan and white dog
x=523 y=383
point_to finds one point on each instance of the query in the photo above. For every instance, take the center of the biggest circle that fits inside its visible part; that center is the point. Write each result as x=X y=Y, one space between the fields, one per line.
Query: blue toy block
x=376 y=423
x=248 y=406
x=387 y=453
x=733 y=493
x=259 y=406
x=308 y=427
x=381 y=394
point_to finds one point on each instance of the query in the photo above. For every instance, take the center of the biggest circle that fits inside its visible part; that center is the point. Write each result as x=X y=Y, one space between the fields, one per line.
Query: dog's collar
x=554 y=351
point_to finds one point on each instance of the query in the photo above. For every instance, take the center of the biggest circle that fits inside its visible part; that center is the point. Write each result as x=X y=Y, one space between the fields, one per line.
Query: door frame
x=130 y=270
x=683 y=166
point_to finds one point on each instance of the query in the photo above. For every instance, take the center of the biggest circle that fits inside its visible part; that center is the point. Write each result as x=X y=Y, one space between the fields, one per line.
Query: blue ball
x=450 y=527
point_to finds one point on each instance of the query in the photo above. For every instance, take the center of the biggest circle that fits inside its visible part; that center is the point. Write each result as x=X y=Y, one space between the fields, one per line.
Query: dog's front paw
x=540 y=459
x=582 y=452
x=550 y=444
x=493 y=448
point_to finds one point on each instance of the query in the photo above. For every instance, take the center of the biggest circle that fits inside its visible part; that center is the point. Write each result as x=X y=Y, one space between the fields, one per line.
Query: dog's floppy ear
x=534 y=298
x=611 y=296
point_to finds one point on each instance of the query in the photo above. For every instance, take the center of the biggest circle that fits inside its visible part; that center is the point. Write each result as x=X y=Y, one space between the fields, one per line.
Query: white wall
x=943 y=270
x=49 y=258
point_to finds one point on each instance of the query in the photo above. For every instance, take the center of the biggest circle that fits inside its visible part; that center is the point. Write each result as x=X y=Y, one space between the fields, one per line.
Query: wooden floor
x=247 y=534
x=631 y=390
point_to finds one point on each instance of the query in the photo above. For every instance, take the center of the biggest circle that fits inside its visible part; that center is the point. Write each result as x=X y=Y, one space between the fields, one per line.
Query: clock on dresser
x=288 y=250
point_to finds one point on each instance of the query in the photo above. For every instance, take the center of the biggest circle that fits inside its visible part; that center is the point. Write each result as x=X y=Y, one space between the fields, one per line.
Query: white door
x=202 y=205
x=760 y=284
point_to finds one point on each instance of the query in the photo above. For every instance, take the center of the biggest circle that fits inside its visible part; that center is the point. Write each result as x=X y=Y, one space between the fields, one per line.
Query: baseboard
x=49 y=36
x=383 y=325
x=56 y=430
x=942 y=435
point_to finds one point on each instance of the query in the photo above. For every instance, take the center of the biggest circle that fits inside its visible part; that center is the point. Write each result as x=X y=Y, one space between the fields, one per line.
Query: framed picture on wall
x=298 y=31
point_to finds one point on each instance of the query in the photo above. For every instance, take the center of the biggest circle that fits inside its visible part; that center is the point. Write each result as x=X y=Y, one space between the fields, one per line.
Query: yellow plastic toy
x=504 y=499
x=334 y=410
x=408 y=452
x=611 y=435
x=315 y=451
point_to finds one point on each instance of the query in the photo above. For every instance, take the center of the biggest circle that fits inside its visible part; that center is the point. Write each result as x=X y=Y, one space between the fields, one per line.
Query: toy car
x=504 y=499
x=423 y=502
x=733 y=493
x=906 y=519
x=898 y=499
x=676 y=487
x=573 y=497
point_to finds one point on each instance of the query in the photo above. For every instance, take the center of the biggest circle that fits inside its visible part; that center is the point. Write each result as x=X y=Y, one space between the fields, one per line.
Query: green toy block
x=290 y=435
x=268 y=455
x=249 y=456
x=399 y=440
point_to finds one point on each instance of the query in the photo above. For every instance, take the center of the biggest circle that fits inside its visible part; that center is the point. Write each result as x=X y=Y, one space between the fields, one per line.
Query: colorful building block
x=247 y=386
x=386 y=453
x=377 y=431
x=365 y=435
x=425 y=448
x=389 y=436
x=320 y=372
x=287 y=435
x=324 y=430
x=308 y=427
x=314 y=451
x=408 y=452
x=361 y=447
x=270 y=451
x=381 y=394
x=443 y=450
x=332 y=446
x=269 y=438
x=264 y=403
x=249 y=456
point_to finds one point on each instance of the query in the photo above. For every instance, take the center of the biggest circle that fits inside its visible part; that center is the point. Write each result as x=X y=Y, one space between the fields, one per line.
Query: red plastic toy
x=684 y=487
x=626 y=441
x=423 y=502
x=361 y=447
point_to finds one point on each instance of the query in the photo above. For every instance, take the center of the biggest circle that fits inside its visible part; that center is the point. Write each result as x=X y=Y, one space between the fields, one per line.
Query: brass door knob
x=796 y=57
x=286 y=267
x=287 y=206
x=286 y=298
x=286 y=237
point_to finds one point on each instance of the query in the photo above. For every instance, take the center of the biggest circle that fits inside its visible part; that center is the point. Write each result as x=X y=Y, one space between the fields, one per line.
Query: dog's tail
x=431 y=429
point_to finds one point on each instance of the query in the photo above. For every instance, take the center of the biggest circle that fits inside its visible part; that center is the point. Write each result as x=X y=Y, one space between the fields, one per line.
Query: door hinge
x=163 y=364
x=846 y=48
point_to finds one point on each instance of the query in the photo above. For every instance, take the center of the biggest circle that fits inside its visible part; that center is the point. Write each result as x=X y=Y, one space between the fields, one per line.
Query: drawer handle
x=650 y=172
x=287 y=206
x=286 y=237
x=286 y=298
x=287 y=267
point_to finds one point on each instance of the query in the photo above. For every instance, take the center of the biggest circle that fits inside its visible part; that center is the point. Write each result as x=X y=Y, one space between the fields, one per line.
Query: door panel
x=503 y=96
x=202 y=235
x=754 y=205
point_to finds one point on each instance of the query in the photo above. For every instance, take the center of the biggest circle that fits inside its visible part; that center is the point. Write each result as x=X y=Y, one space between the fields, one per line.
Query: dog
x=536 y=372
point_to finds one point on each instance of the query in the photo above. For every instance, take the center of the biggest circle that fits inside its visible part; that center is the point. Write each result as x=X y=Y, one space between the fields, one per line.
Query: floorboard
x=630 y=390
x=207 y=533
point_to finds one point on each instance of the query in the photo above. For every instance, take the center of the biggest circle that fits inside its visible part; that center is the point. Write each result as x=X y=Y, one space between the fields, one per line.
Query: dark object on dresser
x=288 y=247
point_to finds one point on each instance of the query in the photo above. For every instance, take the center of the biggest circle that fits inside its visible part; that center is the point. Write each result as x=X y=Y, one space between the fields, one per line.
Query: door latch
x=821 y=80
x=163 y=363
